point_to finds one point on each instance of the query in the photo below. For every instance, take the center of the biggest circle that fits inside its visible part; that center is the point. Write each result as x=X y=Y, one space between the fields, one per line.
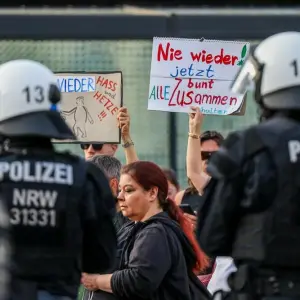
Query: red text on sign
x=108 y=84
x=102 y=115
x=205 y=84
x=106 y=102
x=182 y=98
x=169 y=53
x=219 y=59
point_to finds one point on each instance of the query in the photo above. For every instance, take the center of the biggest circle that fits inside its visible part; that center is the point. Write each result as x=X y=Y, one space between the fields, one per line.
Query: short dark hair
x=212 y=135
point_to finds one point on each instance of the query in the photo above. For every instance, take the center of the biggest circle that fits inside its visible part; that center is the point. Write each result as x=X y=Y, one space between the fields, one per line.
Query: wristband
x=194 y=136
x=128 y=144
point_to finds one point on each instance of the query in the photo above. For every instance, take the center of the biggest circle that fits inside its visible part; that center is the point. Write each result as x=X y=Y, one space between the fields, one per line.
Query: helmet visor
x=245 y=77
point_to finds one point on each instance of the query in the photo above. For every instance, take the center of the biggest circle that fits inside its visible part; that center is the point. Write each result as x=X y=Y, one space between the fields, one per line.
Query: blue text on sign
x=76 y=84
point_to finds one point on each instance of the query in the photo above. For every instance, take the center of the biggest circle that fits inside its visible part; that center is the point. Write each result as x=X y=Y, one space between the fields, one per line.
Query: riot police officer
x=59 y=205
x=5 y=252
x=253 y=212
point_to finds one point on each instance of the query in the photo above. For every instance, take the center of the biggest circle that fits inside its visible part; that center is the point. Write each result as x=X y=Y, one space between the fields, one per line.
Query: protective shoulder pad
x=232 y=139
x=227 y=161
x=80 y=169
x=235 y=151
x=253 y=141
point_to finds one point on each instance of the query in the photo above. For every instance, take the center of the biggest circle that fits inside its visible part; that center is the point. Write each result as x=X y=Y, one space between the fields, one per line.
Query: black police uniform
x=5 y=252
x=253 y=210
x=60 y=211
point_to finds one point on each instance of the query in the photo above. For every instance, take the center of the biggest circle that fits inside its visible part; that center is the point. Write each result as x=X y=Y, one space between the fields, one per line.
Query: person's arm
x=193 y=153
x=128 y=145
x=99 y=235
x=95 y=282
x=92 y=281
x=193 y=160
x=129 y=149
x=149 y=262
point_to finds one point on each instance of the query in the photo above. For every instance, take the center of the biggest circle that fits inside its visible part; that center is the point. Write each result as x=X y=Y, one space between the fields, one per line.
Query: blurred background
x=119 y=37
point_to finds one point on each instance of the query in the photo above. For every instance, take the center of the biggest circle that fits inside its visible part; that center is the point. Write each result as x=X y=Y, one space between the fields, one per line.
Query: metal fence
x=121 y=39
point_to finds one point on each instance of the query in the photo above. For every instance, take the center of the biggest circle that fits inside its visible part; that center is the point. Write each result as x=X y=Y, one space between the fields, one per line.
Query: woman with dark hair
x=173 y=184
x=161 y=255
x=209 y=142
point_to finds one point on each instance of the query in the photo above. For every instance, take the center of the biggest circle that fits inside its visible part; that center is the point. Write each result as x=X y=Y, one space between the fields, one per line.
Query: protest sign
x=90 y=104
x=188 y=72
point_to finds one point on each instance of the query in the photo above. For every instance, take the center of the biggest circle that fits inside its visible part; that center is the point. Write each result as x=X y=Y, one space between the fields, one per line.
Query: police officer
x=5 y=252
x=59 y=205
x=254 y=207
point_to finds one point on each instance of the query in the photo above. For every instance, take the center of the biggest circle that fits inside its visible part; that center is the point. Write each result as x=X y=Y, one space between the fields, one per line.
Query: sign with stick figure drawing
x=90 y=103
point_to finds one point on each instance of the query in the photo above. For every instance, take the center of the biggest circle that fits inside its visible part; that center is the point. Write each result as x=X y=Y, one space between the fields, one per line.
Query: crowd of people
x=130 y=232
x=211 y=272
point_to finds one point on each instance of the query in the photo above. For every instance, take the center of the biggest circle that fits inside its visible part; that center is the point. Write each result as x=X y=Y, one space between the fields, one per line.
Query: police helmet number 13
x=36 y=94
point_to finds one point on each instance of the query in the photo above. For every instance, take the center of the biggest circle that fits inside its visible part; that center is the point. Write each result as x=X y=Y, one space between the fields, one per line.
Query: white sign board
x=90 y=104
x=187 y=72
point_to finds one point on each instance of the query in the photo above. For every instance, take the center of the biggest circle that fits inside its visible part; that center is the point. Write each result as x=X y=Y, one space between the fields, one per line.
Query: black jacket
x=5 y=253
x=156 y=263
x=243 y=182
x=122 y=234
x=52 y=258
x=120 y=220
x=253 y=202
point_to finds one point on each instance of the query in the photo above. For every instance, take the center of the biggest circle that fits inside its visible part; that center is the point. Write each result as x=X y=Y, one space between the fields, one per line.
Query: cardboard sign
x=187 y=72
x=90 y=104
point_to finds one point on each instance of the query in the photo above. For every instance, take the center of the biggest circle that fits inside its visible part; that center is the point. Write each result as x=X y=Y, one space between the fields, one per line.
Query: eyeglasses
x=96 y=147
x=206 y=155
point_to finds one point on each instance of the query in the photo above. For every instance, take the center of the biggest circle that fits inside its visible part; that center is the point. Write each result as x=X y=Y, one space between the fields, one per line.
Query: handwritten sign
x=187 y=72
x=90 y=103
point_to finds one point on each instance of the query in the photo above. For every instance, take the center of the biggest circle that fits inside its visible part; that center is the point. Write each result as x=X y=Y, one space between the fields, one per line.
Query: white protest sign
x=187 y=72
x=90 y=103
